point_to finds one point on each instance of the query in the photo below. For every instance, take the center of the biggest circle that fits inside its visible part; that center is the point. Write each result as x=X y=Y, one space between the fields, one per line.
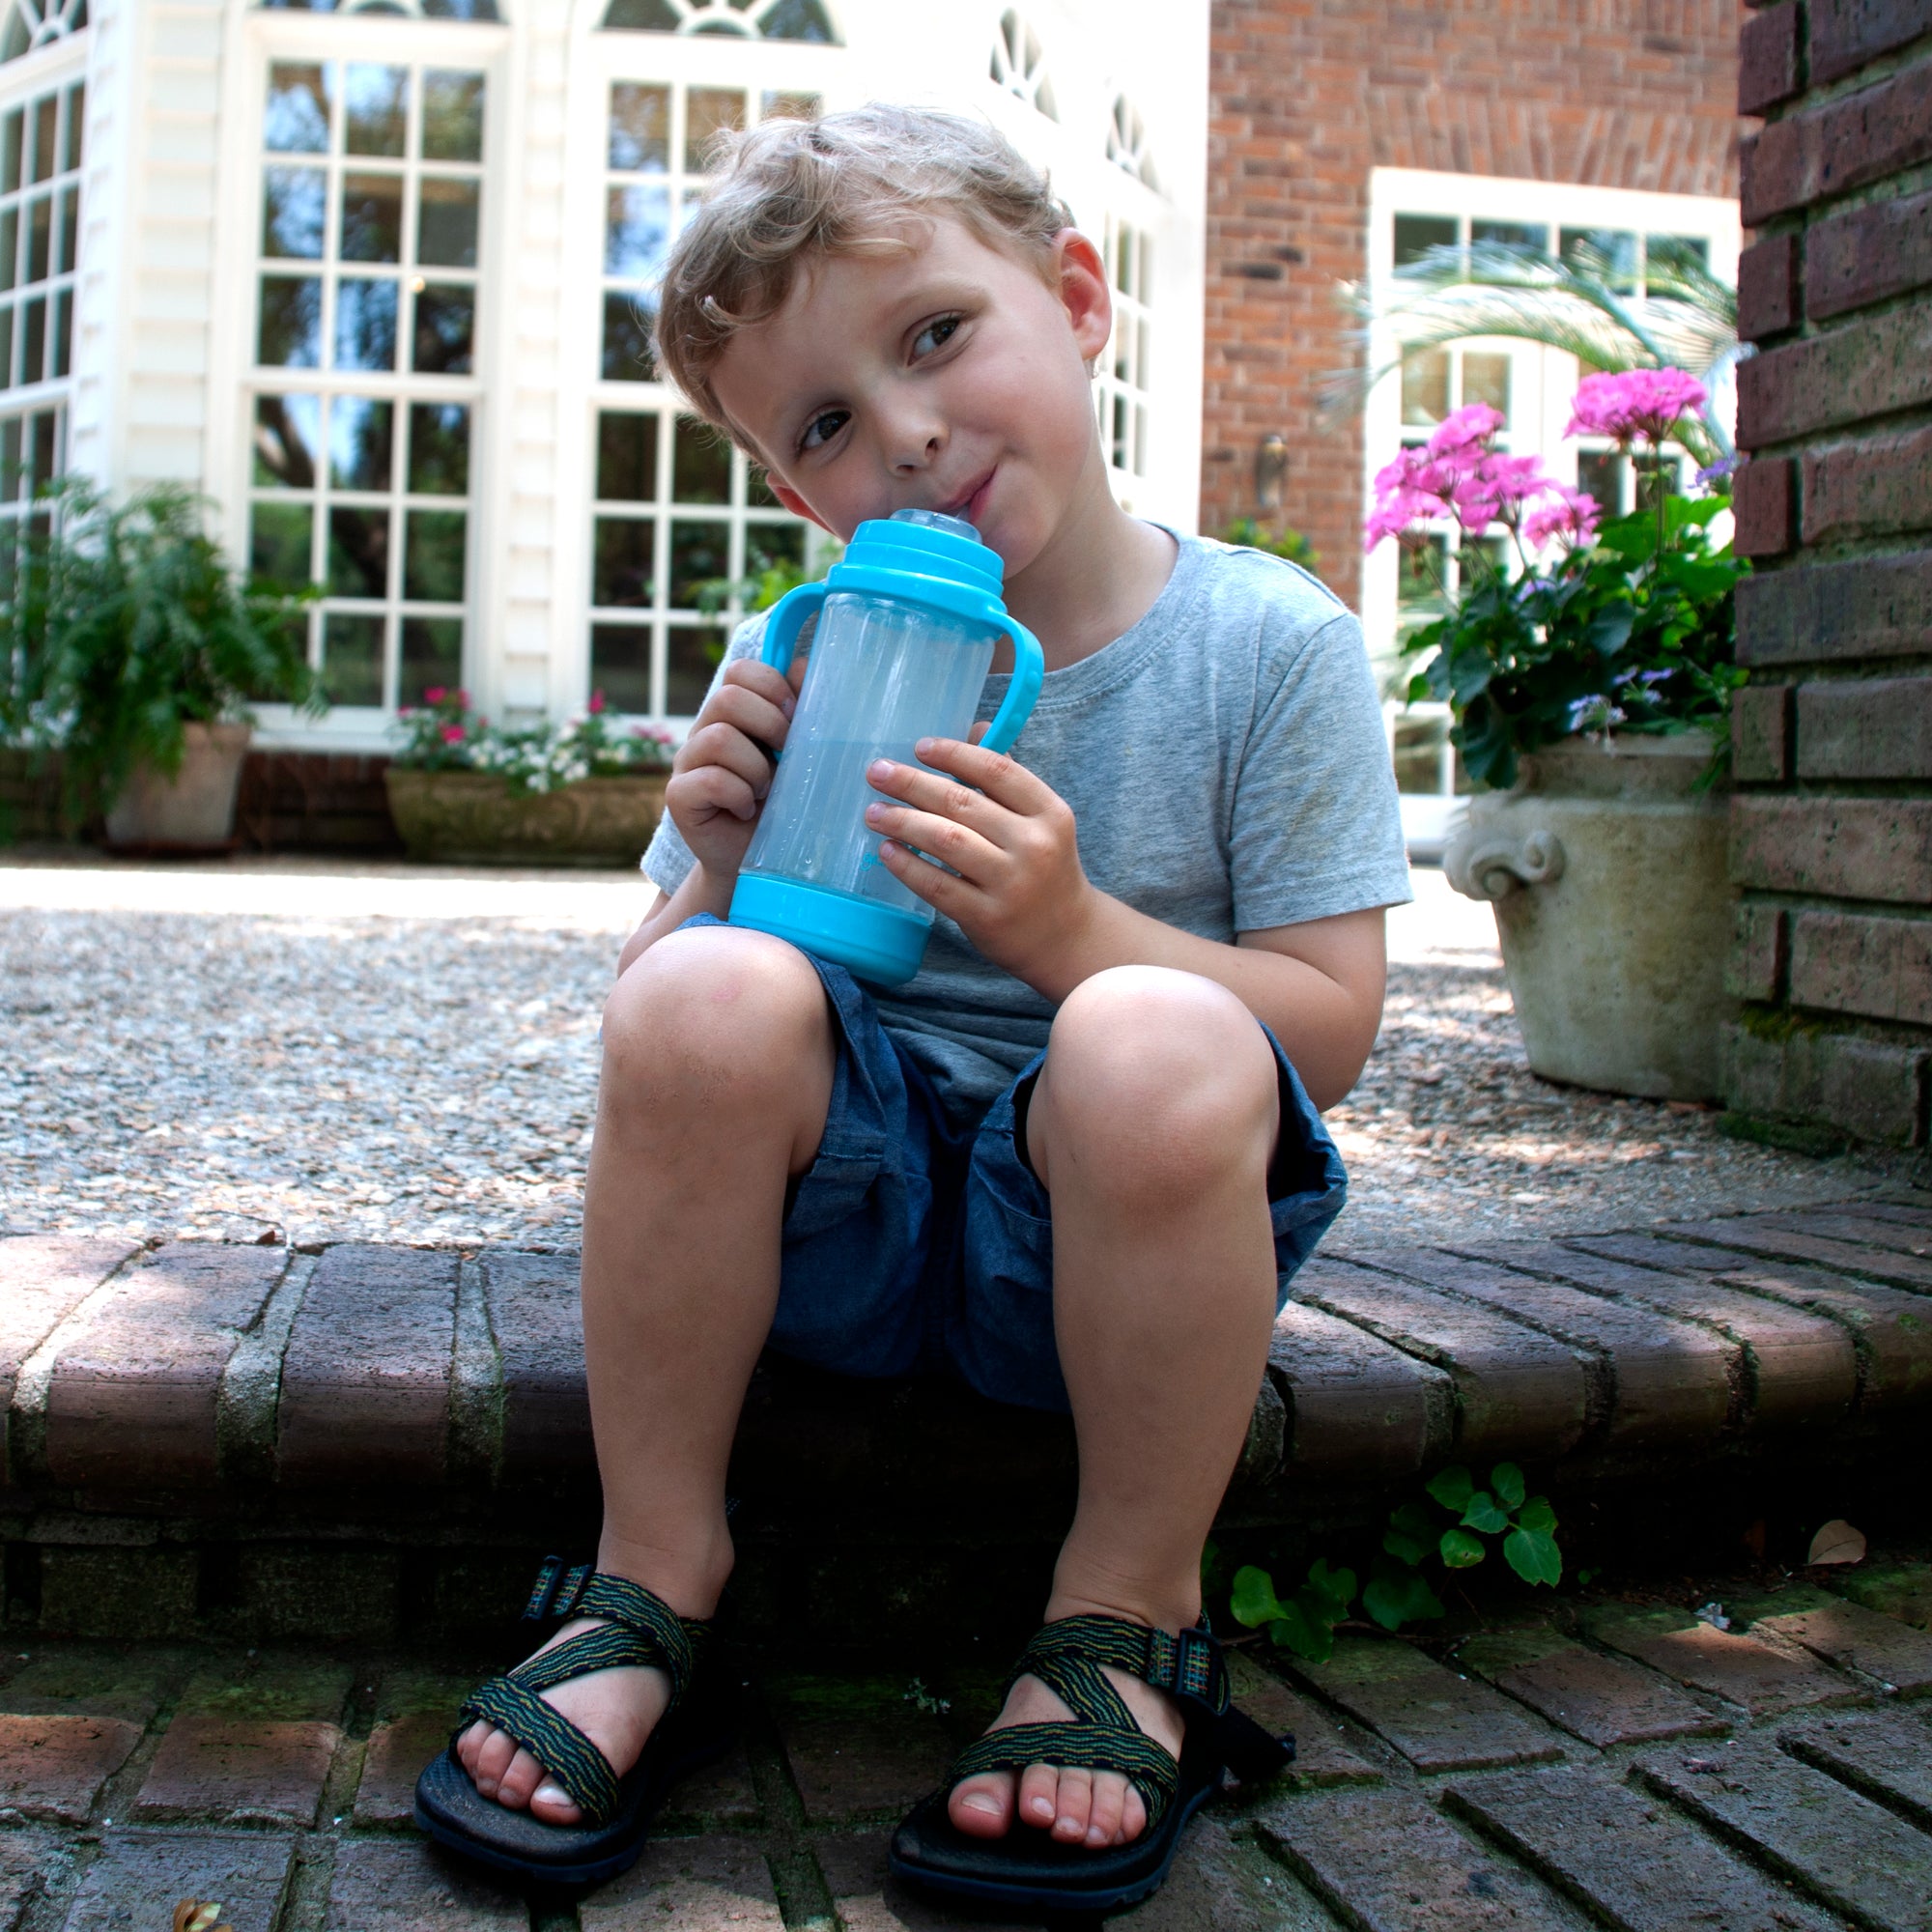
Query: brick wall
x=1831 y=826
x=1305 y=99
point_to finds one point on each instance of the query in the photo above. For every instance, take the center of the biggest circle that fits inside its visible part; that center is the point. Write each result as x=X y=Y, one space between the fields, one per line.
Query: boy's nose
x=918 y=441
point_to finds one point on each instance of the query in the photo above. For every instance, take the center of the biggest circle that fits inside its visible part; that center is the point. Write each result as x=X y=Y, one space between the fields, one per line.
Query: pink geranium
x=1570 y=515
x=1637 y=404
x=453 y=734
x=1458 y=475
x=596 y=702
x=1463 y=429
x=435 y=695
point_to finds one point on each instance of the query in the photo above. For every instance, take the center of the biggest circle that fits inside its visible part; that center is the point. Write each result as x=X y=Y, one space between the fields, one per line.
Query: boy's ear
x=1082 y=279
x=796 y=503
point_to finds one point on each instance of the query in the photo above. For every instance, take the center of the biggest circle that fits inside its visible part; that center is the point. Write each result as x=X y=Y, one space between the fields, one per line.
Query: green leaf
x=1537 y=1515
x=1459 y=1549
x=1405 y=1548
x=1506 y=1480
x=1252 y=1599
x=1534 y=1556
x=1291 y=1631
x=1396 y=1595
x=1484 y=1514
x=1334 y=1589
x=1452 y=1487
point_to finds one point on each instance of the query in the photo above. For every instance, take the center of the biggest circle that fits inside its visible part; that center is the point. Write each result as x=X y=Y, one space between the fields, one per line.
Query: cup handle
x=787 y=618
x=1029 y=669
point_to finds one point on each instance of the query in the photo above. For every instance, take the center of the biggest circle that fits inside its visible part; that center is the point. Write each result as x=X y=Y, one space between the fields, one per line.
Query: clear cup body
x=882 y=674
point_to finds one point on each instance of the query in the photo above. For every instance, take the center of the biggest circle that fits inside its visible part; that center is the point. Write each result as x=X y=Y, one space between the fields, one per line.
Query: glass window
x=1416 y=233
x=1018 y=67
x=40 y=214
x=37 y=23
x=1123 y=385
x=421 y=10
x=748 y=19
x=1128 y=142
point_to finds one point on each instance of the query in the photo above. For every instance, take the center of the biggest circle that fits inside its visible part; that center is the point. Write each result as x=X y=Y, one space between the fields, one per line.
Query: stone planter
x=474 y=818
x=192 y=812
x=1606 y=867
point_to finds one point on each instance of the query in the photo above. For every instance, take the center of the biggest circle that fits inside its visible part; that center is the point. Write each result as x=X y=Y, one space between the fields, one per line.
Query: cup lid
x=930 y=544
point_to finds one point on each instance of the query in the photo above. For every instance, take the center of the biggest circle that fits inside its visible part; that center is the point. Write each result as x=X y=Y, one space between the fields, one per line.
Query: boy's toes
x=1074 y=1804
x=1039 y=1795
x=520 y=1779
x=551 y=1802
x=982 y=1808
x=493 y=1757
x=1103 y=1819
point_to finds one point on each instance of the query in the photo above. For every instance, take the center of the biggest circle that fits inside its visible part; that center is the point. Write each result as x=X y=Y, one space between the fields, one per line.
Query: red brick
x=851 y=1756
x=394 y=1761
x=1767 y=58
x=1846 y=34
x=1856 y=1638
x=139 y=1877
x=134 y=1393
x=1848 y=848
x=1830 y=1240
x=1866 y=368
x=1871 y=729
x=54 y=1767
x=697 y=1884
x=539 y=1331
x=1865 y=255
x=1320 y=1756
x=1600 y=1699
x=1354 y=1403
x=366 y=1374
x=1737 y=1668
x=1871 y=1088
x=1763 y=504
x=238 y=1771
x=114 y=1592
x=1854 y=964
x=44 y=1278
x=403 y=1888
x=1761 y=733
x=1880 y=130
x=1870 y=489
x=1760 y=940
x=1886 y=1754
x=1768 y=286
x=1866 y=607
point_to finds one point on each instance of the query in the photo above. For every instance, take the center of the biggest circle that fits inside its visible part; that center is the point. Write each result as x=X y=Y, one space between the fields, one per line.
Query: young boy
x=1075 y=1159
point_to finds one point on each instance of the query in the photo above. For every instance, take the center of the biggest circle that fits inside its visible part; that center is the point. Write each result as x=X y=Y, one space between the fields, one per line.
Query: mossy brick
x=91 y=1681
x=539 y=1332
x=53 y=1768
x=238 y=1771
x=1860 y=608
x=1844 y=34
x=697 y=1884
x=721 y=1794
x=1760 y=948
x=292 y=1591
x=1435 y=1716
x=1388 y=1861
x=1838 y=145
x=1763 y=508
x=1725 y=1663
x=379 y=1886
x=393 y=1759
x=1768 y=44
x=32 y=1864
x=1901 y=1590
x=1603 y=1701
x=1221 y=1881
x=1768 y=294
x=1322 y=1754
x=134 y=1392
x=1865 y=255
x=1853 y=1637
x=1630 y=1860
x=1761 y=735
x=1822 y=1238
x=140 y=1877
x=271 y=1683
x=1872 y=367
x=129 y=1594
x=1848 y=848
x=1858 y=963
x=868 y=1898
x=1851 y=1855
x=1878 y=487
x=1873 y=728
x=44 y=1278
x=1866 y=1224
x=1871 y=1088
x=1886 y=1754
x=1355 y=1405
x=858 y=1747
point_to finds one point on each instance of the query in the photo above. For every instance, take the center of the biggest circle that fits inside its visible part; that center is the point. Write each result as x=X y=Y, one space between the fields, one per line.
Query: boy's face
x=945 y=376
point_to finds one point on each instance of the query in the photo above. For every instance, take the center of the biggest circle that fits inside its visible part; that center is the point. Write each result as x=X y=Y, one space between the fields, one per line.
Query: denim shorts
x=910 y=1247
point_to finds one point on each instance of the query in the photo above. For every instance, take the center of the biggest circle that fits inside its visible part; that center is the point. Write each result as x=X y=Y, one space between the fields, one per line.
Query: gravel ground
x=392 y=1053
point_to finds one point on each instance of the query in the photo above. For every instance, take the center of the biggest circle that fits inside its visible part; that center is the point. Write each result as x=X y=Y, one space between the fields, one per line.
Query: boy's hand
x=1021 y=893
x=724 y=769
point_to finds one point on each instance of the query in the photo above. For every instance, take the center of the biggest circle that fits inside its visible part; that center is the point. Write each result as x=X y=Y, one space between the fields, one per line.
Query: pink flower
x=1639 y=402
x=1570 y=515
x=1472 y=423
x=463 y=701
x=435 y=695
x=1396 y=510
x=596 y=702
x=453 y=734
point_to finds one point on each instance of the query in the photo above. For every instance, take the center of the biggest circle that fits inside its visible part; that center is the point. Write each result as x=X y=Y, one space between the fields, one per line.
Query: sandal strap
x=640 y=1627
x=1088 y=1746
x=565 y=1753
x=1189 y=1664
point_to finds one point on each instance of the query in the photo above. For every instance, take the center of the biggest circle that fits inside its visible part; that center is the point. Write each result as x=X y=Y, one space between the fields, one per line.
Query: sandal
x=639 y=1628
x=1031 y=1871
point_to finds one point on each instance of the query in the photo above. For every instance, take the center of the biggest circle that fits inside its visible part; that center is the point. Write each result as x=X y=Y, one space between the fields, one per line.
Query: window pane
x=360 y=437
x=372 y=218
x=440 y=448
x=45 y=123
x=1416 y=233
x=1419 y=575
x=709 y=111
x=445 y=328
x=11 y=133
x=365 y=325
x=292 y=212
x=9 y=245
x=691 y=652
x=789 y=106
x=288 y=435
x=296 y=119
x=431 y=656
x=701 y=464
x=40 y=237
x=76 y=119
x=1123 y=260
x=641 y=17
x=7 y=377
x=62 y=331
x=627 y=456
x=1510 y=234
x=1600 y=474
x=621 y=561
x=627 y=338
x=798 y=20
x=452 y=116
x=758 y=491
x=446 y=214
x=767 y=546
x=1678 y=252
x=1485 y=379
x=620 y=664
x=34 y=340
x=432 y=563
x=377 y=100
x=278 y=541
x=69 y=232
x=640 y=128
x=1616 y=247
x=1425 y=386
x=700 y=555
x=351 y=658
x=637 y=230
x=288 y=331
x=358 y=552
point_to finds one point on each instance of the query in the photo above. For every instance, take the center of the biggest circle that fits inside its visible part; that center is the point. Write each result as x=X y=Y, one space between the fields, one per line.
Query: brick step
x=370 y=1440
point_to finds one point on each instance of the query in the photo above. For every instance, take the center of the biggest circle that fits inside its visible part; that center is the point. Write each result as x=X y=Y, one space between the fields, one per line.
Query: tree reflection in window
x=745 y=20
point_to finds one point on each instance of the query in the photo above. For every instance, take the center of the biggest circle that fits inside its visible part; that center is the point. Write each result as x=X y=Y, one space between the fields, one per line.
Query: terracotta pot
x=1607 y=866
x=474 y=818
x=192 y=812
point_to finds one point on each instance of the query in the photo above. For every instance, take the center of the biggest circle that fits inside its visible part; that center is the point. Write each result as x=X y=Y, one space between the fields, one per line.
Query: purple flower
x=1638 y=403
x=1720 y=472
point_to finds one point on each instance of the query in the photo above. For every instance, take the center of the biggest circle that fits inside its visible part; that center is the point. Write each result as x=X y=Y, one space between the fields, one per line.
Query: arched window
x=413 y=9
x=747 y=19
x=1127 y=143
x=33 y=23
x=1018 y=66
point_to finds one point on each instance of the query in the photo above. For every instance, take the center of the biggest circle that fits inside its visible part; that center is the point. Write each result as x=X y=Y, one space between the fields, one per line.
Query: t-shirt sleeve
x=1317 y=830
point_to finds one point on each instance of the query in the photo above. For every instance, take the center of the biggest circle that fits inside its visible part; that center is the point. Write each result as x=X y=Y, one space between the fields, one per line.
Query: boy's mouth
x=973 y=502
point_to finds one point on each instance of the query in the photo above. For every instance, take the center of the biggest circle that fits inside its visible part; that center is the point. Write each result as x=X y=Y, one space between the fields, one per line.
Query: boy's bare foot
x=616 y=1710
x=1096 y=1809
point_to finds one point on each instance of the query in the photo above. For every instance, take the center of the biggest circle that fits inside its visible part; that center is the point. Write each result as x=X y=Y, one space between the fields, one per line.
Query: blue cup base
x=873 y=942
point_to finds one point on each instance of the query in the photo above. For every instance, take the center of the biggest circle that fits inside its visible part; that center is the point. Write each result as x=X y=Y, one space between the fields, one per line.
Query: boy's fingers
x=755 y=674
x=939 y=890
x=726 y=746
x=970 y=855
x=934 y=792
x=712 y=790
x=754 y=713
x=994 y=773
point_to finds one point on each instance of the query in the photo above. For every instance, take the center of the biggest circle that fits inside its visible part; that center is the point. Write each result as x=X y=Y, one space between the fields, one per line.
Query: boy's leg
x=718 y=1072
x=1152 y=1126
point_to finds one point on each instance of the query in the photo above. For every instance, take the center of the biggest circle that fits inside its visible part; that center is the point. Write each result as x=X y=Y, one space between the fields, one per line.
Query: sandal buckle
x=1190 y=1666
x=556 y=1590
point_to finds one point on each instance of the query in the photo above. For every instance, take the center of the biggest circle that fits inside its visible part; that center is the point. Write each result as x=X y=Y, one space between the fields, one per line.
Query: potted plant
x=1588 y=668
x=581 y=793
x=128 y=648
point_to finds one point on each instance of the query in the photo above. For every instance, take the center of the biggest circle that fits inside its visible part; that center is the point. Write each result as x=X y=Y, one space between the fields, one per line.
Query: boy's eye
x=823 y=427
x=935 y=335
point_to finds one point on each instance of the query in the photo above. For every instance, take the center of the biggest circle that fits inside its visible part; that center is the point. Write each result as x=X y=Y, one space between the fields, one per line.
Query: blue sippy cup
x=907 y=624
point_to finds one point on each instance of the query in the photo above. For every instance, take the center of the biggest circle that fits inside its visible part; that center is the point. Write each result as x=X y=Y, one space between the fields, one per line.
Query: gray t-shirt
x=1227 y=770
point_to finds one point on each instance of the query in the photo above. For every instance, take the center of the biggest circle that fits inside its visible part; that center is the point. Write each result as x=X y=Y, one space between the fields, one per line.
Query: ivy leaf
x=1537 y=1517
x=1534 y=1556
x=1333 y=1589
x=1452 y=1487
x=1459 y=1549
x=1484 y=1514
x=1405 y=1548
x=1252 y=1599
x=1396 y=1595
x=1506 y=1480
x=1312 y=1639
